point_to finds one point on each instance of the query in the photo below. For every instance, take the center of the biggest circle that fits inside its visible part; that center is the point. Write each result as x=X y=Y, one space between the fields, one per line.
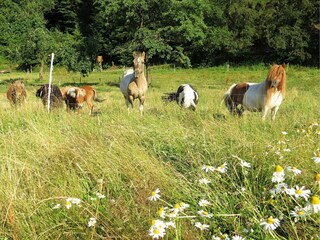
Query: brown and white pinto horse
x=76 y=96
x=16 y=93
x=134 y=84
x=261 y=97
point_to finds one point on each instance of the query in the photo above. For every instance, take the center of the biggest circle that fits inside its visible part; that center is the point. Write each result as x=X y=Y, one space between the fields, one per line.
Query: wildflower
x=223 y=168
x=215 y=238
x=270 y=223
x=68 y=203
x=75 y=201
x=155 y=195
x=201 y=226
x=314 y=204
x=158 y=223
x=205 y=214
x=224 y=237
x=284 y=133
x=92 y=222
x=207 y=168
x=57 y=206
x=278 y=175
x=237 y=237
x=204 y=181
x=162 y=212
x=280 y=188
x=245 y=164
x=295 y=170
x=299 y=213
x=172 y=213
x=299 y=192
x=287 y=150
x=316 y=157
x=170 y=224
x=99 y=195
x=183 y=206
x=317 y=178
x=156 y=232
x=204 y=203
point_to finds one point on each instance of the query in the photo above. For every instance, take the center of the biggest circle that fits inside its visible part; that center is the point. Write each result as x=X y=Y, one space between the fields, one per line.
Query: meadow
x=73 y=176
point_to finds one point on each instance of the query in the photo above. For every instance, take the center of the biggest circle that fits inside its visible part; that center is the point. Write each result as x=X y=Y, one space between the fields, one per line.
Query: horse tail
x=95 y=97
x=228 y=100
x=169 y=97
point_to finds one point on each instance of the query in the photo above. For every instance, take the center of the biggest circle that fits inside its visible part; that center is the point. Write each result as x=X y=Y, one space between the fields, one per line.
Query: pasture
x=113 y=161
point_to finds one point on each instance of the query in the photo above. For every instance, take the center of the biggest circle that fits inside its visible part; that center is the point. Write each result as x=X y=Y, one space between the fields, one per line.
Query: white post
x=50 y=81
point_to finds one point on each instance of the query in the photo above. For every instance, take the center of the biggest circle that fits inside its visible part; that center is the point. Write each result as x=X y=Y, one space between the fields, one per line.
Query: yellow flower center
x=318 y=155
x=315 y=200
x=294 y=168
x=156 y=231
x=300 y=212
x=299 y=191
x=270 y=220
x=205 y=213
x=153 y=222
x=160 y=211
x=317 y=177
x=153 y=194
x=279 y=168
x=222 y=166
x=177 y=206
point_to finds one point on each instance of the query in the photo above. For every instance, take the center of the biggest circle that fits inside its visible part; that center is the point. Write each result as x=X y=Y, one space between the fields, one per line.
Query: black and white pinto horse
x=186 y=96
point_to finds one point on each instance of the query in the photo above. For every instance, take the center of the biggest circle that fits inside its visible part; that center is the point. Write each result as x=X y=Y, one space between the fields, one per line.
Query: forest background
x=186 y=33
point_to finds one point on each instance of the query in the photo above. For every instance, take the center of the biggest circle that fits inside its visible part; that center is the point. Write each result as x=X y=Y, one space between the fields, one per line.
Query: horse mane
x=278 y=72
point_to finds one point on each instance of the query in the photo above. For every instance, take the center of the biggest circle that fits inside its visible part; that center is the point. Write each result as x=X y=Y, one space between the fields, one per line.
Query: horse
x=56 y=100
x=76 y=96
x=134 y=84
x=186 y=96
x=258 y=97
x=17 y=93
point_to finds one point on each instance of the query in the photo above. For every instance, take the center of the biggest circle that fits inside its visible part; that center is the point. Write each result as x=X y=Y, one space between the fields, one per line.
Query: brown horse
x=134 y=85
x=16 y=93
x=261 y=97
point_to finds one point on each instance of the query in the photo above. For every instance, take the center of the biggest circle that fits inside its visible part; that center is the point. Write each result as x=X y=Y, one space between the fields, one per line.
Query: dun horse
x=262 y=97
x=134 y=85
x=16 y=93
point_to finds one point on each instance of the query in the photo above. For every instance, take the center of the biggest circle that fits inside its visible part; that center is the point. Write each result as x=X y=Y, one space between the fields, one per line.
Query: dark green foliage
x=185 y=33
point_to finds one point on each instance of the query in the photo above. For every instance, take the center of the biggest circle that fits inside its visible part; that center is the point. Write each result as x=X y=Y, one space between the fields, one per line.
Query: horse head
x=276 y=78
x=138 y=63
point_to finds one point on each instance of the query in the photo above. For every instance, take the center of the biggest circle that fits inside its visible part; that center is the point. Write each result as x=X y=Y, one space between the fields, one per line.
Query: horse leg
x=265 y=111
x=129 y=102
x=274 y=112
x=141 y=104
x=240 y=111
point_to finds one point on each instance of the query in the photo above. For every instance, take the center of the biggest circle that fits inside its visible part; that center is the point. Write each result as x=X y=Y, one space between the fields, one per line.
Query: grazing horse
x=134 y=84
x=16 y=93
x=262 y=97
x=56 y=100
x=186 y=96
x=76 y=96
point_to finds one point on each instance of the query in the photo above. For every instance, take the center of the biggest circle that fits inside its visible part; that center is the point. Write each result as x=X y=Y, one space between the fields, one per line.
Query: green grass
x=46 y=158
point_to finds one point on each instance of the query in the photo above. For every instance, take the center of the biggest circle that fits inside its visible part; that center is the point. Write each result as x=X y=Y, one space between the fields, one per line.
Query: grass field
x=60 y=169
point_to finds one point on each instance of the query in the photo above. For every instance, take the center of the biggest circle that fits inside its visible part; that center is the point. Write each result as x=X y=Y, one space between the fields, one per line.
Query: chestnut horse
x=261 y=97
x=134 y=85
x=16 y=93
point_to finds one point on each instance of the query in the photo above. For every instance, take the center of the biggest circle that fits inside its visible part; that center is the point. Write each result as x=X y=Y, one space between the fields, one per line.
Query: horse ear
x=143 y=54
x=284 y=65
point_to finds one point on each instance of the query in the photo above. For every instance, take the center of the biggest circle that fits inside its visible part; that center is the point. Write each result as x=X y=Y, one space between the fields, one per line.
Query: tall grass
x=47 y=158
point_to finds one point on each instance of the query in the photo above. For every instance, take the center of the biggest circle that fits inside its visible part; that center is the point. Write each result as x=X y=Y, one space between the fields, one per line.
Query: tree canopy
x=184 y=32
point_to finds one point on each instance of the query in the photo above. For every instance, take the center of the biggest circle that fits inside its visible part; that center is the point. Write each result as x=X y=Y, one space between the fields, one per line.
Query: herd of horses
x=262 y=97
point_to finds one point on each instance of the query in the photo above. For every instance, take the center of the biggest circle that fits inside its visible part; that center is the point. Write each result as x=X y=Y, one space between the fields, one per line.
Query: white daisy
x=207 y=168
x=205 y=214
x=92 y=222
x=223 y=168
x=201 y=226
x=270 y=223
x=204 y=203
x=284 y=133
x=278 y=175
x=204 y=181
x=183 y=206
x=162 y=212
x=299 y=192
x=170 y=224
x=299 y=213
x=99 y=195
x=245 y=164
x=75 y=201
x=295 y=170
x=237 y=237
x=156 y=232
x=155 y=195
x=280 y=188
x=158 y=223
x=57 y=206
x=215 y=238
x=314 y=204
x=316 y=157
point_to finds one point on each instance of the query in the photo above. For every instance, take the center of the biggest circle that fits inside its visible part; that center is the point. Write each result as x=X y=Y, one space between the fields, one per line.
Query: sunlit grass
x=47 y=158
